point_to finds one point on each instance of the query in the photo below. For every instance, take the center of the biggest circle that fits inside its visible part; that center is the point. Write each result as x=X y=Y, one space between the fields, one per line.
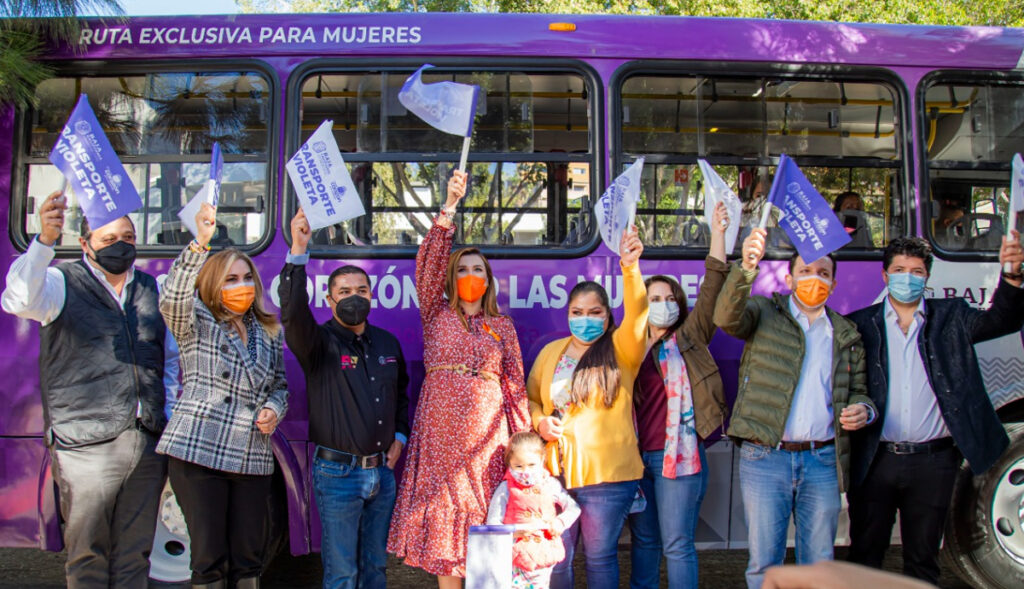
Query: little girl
x=527 y=498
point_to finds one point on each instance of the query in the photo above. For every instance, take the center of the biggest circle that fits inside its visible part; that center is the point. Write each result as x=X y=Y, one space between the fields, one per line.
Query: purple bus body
x=532 y=291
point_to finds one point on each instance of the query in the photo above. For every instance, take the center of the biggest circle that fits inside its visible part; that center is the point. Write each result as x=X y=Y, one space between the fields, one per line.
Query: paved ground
x=720 y=569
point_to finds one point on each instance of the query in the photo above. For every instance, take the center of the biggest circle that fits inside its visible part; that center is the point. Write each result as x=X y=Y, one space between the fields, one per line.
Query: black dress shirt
x=355 y=384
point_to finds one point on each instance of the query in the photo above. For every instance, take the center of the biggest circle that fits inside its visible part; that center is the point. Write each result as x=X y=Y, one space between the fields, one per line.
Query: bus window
x=163 y=126
x=845 y=135
x=972 y=131
x=531 y=160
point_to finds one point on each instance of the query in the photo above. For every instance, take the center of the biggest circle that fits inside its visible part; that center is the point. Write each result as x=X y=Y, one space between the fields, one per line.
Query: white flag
x=715 y=191
x=1017 y=185
x=322 y=182
x=188 y=213
x=616 y=209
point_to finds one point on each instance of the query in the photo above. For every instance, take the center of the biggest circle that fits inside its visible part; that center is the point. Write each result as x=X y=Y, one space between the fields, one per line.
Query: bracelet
x=195 y=247
x=448 y=212
x=1015 y=276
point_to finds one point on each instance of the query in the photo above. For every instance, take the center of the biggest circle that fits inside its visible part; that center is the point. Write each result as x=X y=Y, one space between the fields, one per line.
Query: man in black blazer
x=924 y=378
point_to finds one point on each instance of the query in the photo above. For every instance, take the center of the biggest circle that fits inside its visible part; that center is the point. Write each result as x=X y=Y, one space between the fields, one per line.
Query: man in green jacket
x=802 y=386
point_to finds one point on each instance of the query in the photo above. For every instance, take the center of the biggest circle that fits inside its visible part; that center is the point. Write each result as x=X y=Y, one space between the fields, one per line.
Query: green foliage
x=936 y=12
x=27 y=29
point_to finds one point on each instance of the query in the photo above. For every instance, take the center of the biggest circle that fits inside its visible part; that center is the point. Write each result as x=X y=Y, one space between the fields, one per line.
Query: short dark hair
x=830 y=255
x=914 y=247
x=86 y=232
x=842 y=199
x=344 y=271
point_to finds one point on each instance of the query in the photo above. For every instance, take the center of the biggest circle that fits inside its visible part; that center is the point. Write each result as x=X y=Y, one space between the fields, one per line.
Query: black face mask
x=116 y=258
x=352 y=310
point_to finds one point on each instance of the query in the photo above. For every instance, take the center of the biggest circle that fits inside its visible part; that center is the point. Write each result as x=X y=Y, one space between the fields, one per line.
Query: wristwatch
x=448 y=211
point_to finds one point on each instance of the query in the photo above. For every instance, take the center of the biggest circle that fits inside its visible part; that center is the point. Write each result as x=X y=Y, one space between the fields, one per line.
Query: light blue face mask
x=906 y=287
x=586 y=329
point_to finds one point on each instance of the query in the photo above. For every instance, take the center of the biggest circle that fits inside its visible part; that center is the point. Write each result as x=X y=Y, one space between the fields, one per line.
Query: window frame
x=592 y=82
x=733 y=70
x=105 y=69
x=967 y=78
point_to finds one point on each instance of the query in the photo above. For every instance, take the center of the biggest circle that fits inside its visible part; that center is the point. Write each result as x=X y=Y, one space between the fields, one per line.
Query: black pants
x=226 y=514
x=920 y=487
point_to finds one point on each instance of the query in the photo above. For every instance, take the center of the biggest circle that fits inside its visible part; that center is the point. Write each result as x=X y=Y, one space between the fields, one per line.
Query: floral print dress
x=455 y=458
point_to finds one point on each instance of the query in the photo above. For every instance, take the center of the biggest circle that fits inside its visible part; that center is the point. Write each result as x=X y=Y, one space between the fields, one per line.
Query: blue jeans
x=669 y=523
x=603 y=508
x=776 y=484
x=355 y=511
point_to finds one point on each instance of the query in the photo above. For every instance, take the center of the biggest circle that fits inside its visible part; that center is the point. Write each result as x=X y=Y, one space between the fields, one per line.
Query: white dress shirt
x=911 y=413
x=37 y=291
x=810 y=414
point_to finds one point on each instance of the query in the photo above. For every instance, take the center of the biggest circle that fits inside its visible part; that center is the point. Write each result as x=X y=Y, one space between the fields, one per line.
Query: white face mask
x=663 y=313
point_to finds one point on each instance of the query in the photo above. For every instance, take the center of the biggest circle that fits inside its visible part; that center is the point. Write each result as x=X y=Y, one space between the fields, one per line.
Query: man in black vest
x=924 y=378
x=358 y=415
x=101 y=370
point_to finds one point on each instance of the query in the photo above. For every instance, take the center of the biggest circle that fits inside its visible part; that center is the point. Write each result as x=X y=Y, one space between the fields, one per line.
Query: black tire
x=989 y=554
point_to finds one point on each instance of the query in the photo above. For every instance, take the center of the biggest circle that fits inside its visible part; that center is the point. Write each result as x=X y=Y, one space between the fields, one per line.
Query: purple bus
x=920 y=122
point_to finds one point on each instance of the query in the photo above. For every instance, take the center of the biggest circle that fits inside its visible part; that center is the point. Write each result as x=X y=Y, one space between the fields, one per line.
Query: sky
x=151 y=7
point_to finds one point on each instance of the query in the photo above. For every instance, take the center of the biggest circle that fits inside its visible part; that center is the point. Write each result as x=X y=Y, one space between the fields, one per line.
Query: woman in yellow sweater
x=581 y=401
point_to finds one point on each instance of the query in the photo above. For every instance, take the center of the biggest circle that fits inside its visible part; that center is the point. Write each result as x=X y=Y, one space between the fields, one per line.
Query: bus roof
x=595 y=36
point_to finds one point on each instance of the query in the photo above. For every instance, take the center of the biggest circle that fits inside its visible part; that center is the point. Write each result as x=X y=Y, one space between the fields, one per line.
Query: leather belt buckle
x=902 y=448
x=372 y=461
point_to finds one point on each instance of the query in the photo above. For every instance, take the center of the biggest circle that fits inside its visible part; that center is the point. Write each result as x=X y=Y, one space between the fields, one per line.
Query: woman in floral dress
x=473 y=398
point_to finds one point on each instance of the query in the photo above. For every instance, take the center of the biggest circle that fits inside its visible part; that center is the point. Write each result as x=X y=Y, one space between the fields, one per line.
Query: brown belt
x=466 y=371
x=795 y=446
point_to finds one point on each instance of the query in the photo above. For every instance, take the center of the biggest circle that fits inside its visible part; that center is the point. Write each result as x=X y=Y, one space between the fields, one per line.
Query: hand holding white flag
x=616 y=209
x=717 y=191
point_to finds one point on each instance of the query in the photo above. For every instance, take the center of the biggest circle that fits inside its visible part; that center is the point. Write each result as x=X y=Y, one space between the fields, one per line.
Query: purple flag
x=807 y=218
x=85 y=157
x=447 y=106
x=216 y=171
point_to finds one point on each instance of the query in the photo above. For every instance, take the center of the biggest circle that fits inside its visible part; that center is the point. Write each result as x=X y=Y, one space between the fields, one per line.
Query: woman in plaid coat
x=234 y=395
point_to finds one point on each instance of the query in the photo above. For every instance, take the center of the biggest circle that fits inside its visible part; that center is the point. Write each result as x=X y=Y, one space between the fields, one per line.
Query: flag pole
x=465 y=154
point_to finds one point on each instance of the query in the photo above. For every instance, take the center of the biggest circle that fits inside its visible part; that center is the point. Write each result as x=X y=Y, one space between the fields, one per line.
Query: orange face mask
x=812 y=291
x=238 y=298
x=471 y=288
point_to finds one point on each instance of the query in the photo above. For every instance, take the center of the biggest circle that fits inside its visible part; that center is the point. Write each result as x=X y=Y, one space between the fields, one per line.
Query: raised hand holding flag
x=806 y=217
x=209 y=193
x=616 y=209
x=717 y=191
x=446 y=106
x=89 y=163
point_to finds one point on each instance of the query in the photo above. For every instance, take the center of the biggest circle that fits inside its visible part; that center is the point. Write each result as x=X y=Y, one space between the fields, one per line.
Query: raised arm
x=700 y=324
x=34 y=290
x=1006 y=313
x=300 y=327
x=630 y=337
x=178 y=296
x=735 y=313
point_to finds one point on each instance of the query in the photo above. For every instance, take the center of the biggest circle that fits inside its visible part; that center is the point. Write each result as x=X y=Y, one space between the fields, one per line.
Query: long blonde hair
x=451 y=288
x=211 y=280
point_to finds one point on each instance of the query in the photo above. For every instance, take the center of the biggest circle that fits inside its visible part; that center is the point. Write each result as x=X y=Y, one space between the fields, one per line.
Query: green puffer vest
x=772 y=360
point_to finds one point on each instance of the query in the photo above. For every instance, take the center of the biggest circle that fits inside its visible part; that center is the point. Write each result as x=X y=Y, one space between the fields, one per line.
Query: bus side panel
x=286 y=454
x=22 y=464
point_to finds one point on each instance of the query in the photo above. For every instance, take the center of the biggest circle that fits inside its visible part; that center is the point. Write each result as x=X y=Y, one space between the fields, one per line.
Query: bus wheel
x=984 y=537
x=169 y=560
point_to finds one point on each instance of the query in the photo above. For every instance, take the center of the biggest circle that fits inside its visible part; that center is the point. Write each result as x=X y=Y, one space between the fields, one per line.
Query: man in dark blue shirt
x=356 y=383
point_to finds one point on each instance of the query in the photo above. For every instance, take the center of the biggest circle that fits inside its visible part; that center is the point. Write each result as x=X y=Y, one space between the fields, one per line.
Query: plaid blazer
x=214 y=421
